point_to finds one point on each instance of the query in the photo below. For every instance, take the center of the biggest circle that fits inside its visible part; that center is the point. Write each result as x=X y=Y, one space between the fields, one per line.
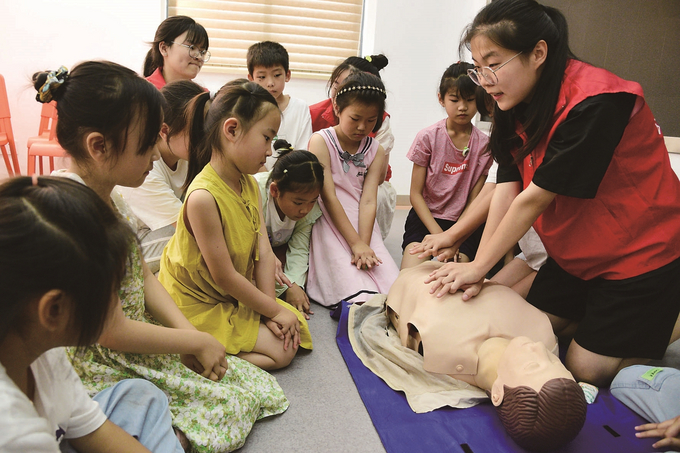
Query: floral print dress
x=215 y=416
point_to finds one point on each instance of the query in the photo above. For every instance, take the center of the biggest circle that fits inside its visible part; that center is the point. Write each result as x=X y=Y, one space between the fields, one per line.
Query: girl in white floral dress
x=109 y=119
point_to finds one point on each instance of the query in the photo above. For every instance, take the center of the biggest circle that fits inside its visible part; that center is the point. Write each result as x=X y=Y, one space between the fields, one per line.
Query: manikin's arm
x=500 y=234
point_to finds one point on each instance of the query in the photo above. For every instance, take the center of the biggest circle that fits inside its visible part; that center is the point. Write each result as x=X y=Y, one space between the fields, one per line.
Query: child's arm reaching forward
x=360 y=249
x=368 y=204
x=203 y=221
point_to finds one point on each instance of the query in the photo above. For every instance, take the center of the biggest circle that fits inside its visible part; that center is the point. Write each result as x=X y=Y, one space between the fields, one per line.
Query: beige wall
x=637 y=40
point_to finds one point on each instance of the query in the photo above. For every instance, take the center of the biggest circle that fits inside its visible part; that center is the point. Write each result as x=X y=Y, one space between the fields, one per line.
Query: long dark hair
x=56 y=233
x=108 y=98
x=166 y=32
x=518 y=25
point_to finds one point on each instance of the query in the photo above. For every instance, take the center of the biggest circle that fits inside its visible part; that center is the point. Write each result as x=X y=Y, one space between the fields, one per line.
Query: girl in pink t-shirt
x=450 y=163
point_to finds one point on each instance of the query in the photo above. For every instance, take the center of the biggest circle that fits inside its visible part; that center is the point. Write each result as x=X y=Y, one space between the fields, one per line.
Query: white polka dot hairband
x=362 y=87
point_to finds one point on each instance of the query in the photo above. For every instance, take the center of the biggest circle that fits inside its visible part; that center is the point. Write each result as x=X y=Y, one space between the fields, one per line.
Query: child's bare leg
x=268 y=352
x=676 y=331
x=594 y=368
x=408 y=260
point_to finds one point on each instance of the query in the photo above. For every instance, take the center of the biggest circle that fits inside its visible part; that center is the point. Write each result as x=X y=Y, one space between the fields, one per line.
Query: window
x=318 y=34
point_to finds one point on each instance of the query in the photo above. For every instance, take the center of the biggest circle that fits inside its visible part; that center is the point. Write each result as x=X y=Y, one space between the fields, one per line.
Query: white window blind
x=318 y=34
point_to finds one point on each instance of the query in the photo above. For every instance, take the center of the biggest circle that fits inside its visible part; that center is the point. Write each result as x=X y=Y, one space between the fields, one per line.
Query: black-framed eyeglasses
x=195 y=52
x=488 y=73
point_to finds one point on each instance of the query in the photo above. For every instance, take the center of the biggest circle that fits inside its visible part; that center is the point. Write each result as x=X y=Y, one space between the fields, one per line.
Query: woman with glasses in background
x=583 y=160
x=178 y=51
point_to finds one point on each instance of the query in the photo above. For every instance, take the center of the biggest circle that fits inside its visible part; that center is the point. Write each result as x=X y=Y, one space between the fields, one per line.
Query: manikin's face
x=529 y=363
x=516 y=80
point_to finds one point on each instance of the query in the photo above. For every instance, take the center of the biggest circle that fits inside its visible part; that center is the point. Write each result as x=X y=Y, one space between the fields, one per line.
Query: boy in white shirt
x=268 y=67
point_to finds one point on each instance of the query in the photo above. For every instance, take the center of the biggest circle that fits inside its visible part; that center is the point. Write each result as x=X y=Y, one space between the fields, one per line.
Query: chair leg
x=30 y=167
x=8 y=164
x=15 y=159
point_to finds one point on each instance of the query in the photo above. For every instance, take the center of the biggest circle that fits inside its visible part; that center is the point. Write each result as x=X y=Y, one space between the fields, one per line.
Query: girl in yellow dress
x=219 y=266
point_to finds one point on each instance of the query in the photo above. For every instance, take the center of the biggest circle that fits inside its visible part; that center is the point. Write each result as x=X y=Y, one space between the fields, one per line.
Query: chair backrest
x=48 y=120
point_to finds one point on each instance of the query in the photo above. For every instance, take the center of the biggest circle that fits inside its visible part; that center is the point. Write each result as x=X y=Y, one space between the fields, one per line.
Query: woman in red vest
x=582 y=159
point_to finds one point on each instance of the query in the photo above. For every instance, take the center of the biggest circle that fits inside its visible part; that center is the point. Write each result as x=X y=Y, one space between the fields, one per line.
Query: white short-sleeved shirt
x=296 y=127
x=61 y=407
x=157 y=202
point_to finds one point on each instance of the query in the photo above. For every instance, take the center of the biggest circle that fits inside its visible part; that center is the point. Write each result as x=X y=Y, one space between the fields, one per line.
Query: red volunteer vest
x=632 y=226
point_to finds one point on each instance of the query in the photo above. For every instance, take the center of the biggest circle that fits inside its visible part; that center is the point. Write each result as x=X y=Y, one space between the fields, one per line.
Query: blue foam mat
x=609 y=426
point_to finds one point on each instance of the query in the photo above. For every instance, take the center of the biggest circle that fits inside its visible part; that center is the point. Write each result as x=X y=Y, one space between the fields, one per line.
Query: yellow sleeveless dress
x=186 y=277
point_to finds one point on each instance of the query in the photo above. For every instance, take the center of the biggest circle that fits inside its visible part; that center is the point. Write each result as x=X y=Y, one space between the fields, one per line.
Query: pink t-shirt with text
x=450 y=175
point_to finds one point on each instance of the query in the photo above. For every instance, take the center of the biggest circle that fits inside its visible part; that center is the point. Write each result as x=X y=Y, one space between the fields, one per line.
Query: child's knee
x=284 y=358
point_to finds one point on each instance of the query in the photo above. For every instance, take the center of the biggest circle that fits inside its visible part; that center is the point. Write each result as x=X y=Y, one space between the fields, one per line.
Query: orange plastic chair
x=6 y=134
x=45 y=144
x=47 y=114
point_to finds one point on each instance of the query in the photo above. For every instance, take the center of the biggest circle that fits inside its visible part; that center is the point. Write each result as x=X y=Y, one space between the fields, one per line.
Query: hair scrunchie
x=368 y=58
x=54 y=81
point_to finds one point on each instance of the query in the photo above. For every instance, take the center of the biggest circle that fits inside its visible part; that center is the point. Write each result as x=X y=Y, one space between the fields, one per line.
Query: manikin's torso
x=451 y=331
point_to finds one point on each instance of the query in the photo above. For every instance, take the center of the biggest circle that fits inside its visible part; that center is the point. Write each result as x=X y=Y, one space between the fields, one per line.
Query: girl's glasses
x=195 y=52
x=488 y=73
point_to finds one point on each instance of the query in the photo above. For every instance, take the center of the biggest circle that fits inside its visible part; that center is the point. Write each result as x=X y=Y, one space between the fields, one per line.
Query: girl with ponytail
x=219 y=266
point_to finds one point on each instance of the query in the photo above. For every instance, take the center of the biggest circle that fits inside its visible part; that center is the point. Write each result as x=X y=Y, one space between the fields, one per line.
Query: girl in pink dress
x=347 y=254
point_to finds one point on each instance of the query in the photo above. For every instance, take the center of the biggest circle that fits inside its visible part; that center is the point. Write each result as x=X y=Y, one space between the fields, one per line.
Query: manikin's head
x=537 y=399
